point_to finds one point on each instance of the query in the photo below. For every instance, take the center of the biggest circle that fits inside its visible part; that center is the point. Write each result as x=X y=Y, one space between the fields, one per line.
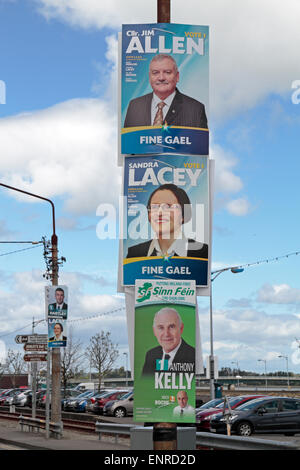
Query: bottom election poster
x=165 y=351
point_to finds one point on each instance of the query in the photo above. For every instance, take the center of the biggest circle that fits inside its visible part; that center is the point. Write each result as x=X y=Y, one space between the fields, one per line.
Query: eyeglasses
x=164 y=207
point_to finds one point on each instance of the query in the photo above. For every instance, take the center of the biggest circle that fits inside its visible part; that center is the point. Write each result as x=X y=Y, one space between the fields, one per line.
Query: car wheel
x=244 y=429
x=119 y=413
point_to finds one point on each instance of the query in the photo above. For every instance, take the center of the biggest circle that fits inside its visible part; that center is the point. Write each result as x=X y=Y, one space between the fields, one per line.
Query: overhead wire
x=90 y=317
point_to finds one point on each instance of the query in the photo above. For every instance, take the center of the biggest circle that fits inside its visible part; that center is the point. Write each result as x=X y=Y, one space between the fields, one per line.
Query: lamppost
x=264 y=360
x=287 y=368
x=214 y=275
x=237 y=376
x=126 y=354
x=55 y=394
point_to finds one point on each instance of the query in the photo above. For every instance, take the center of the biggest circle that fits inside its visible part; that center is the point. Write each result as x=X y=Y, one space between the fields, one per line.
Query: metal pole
x=126 y=373
x=211 y=357
x=48 y=396
x=56 y=379
x=55 y=398
x=163 y=11
x=164 y=434
x=34 y=367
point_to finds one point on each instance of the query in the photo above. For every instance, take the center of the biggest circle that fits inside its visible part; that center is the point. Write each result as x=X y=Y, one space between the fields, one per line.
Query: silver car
x=21 y=399
x=123 y=407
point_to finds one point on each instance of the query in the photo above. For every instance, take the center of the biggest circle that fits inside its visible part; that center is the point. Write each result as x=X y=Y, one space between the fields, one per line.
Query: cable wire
x=19 y=251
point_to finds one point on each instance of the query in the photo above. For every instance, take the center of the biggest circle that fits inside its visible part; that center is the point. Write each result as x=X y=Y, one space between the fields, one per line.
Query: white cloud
x=249 y=334
x=67 y=150
x=238 y=207
x=254 y=44
x=278 y=294
x=23 y=298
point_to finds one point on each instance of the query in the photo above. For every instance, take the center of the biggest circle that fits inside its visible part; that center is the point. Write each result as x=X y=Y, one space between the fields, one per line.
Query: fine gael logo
x=144 y=292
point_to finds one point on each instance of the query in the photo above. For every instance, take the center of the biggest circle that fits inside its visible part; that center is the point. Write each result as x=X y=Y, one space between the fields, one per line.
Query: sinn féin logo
x=144 y=292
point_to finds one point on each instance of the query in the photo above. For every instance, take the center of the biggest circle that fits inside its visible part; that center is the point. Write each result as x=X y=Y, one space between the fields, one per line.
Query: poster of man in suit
x=166 y=227
x=164 y=82
x=165 y=351
x=56 y=301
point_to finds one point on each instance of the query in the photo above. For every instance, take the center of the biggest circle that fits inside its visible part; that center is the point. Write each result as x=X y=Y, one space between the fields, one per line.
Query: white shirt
x=156 y=100
x=179 y=246
x=188 y=410
x=171 y=354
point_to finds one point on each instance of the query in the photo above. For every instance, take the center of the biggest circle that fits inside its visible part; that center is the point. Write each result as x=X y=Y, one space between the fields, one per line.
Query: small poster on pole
x=165 y=351
x=56 y=299
x=57 y=337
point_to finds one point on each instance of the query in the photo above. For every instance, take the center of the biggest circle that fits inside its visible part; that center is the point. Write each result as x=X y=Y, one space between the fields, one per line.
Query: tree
x=102 y=354
x=15 y=364
x=71 y=360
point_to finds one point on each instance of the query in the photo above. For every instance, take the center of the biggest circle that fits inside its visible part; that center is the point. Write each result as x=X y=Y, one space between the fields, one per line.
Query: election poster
x=165 y=351
x=164 y=89
x=56 y=299
x=166 y=218
x=57 y=337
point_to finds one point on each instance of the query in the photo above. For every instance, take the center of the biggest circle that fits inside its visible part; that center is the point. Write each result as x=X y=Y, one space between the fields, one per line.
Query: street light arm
x=37 y=196
x=233 y=269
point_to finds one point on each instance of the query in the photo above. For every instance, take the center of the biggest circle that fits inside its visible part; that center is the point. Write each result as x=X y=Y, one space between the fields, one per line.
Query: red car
x=101 y=401
x=203 y=417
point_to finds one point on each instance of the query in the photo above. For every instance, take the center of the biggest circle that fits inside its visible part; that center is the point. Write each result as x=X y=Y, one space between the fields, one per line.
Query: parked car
x=120 y=408
x=210 y=404
x=268 y=414
x=7 y=399
x=38 y=394
x=78 y=404
x=203 y=417
x=101 y=401
x=21 y=399
x=90 y=402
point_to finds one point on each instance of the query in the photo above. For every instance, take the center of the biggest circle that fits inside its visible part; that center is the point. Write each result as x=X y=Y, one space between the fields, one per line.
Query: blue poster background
x=140 y=43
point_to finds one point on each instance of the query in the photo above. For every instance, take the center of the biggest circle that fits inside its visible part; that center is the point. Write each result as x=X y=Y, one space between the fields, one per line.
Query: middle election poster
x=165 y=351
x=166 y=218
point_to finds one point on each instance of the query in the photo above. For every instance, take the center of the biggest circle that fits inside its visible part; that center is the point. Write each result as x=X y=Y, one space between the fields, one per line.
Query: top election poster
x=164 y=89
x=56 y=298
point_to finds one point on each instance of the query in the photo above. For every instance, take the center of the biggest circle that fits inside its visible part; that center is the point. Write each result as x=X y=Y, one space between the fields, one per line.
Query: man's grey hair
x=160 y=57
x=167 y=310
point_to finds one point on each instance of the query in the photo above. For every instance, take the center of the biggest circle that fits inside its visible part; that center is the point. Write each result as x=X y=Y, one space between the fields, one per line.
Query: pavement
x=11 y=435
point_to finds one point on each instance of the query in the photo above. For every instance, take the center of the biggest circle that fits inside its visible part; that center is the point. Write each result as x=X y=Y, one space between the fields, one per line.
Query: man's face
x=168 y=331
x=59 y=297
x=182 y=399
x=163 y=77
x=165 y=214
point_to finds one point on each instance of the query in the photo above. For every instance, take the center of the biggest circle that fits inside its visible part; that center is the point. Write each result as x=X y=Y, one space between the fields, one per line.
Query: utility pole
x=55 y=397
x=56 y=360
x=164 y=434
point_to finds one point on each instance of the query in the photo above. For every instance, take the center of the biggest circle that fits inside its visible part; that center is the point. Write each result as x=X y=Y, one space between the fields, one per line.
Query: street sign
x=37 y=357
x=31 y=339
x=39 y=347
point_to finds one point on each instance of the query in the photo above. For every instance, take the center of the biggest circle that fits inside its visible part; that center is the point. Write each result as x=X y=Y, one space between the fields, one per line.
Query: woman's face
x=57 y=330
x=165 y=214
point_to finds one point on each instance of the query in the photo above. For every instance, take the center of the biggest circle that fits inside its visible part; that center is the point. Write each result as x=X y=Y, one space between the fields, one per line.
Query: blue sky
x=58 y=138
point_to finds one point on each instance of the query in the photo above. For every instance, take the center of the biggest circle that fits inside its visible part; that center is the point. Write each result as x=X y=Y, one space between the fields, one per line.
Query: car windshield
x=211 y=404
x=232 y=401
x=250 y=404
x=127 y=395
x=108 y=394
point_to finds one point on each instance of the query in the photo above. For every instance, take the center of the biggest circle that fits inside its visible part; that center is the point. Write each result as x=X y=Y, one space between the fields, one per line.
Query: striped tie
x=158 y=120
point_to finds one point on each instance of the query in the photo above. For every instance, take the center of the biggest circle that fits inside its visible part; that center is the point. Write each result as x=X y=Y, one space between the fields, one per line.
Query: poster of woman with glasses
x=166 y=227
